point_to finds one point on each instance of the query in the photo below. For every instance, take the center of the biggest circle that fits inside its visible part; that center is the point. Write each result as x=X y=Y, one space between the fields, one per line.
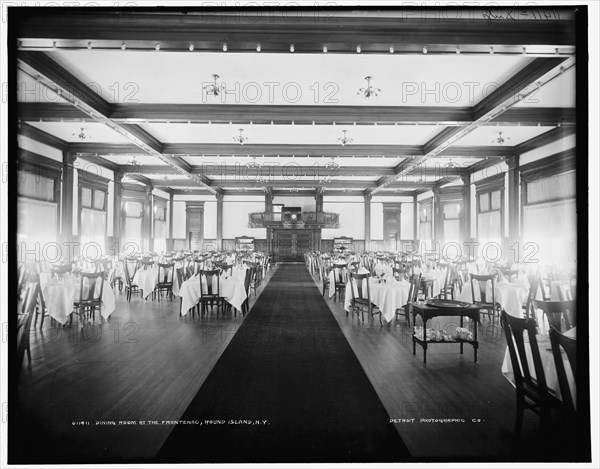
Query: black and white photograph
x=304 y=233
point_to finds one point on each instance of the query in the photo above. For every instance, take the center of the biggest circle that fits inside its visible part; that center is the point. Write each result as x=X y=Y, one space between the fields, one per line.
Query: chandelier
x=81 y=135
x=255 y=166
x=332 y=168
x=345 y=140
x=369 y=90
x=240 y=138
x=500 y=139
x=213 y=89
x=451 y=164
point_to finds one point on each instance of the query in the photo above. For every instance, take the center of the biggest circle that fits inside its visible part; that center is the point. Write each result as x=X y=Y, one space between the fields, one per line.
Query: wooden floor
x=147 y=363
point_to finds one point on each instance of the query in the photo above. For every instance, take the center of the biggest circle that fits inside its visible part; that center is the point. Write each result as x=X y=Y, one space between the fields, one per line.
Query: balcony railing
x=303 y=220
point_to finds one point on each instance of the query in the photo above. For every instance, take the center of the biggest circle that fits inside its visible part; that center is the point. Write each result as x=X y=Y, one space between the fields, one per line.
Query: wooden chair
x=449 y=283
x=130 y=267
x=491 y=308
x=569 y=345
x=147 y=264
x=528 y=310
x=181 y=277
x=341 y=278
x=246 y=303
x=163 y=284
x=557 y=313
x=532 y=391
x=24 y=320
x=91 y=286
x=361 y=302
x=208 y=296
x=325 y=271
x=413 y=293
x=224 y=267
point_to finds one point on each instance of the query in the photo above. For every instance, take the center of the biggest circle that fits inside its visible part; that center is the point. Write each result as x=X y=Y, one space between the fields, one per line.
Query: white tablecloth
x=388 y=297
x=510 y=296
x=231 y=288
x=548 y=364
x=59 y=297
x=146 y=280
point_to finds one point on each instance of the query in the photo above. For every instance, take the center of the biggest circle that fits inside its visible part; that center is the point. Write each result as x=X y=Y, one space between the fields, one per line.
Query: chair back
x=557 y=312
x=325 y=271
x=482 y=281
x=564 y=293
x=415 y=284
x=340 y=272
x=210 y=276
x=514 y=329
x=198 y=265
x=130 y=267
x=226 y=268
x=147 y=264
x=91 y=285
x=165 y=274
x=361 y=289
x=61 y=270
x=181 y=275
x=24 y=321
x=533 y=288
x=247 y=280
x=569 y=345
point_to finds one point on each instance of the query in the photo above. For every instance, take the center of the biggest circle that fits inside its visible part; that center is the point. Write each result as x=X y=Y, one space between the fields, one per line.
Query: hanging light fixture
x=500 y=139
x=214 y=88
x=369 y=90
x=241 y=139
x=345 y=140
x=81 y=135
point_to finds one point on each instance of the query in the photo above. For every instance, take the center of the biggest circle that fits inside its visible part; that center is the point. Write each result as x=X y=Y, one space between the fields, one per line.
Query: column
x=513 y=200
x=147 y=221
x=171 y=242
x=117 y=215
x=268 y=199
x=319 y=199
x=415 y=219
x=438 y=216
x=368 y=198
x=466 y=209
x=66 y=229
x=219 y=220
x=194 y=223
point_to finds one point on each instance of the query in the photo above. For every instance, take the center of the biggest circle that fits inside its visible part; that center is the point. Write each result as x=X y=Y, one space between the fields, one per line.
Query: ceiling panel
x=303 y=79
x=512 y=135
x=69 y=131
x=293 y=134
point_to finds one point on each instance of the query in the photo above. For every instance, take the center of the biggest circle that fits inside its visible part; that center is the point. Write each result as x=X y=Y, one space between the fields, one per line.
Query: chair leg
x=520 y=411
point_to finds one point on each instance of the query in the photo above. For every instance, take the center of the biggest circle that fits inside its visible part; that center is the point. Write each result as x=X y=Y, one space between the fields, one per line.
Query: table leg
x=414 y=327
x=424 y=341
x=476 y=343
x=461 y=344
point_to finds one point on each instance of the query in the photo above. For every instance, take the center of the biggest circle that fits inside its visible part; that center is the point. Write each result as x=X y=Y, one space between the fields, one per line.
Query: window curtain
x=132 y=242
x=160 y=236
x=451 y=231
x=35 y=185
x=551 y=228
x=93 y=233
x=36 y=227
x=561 y=186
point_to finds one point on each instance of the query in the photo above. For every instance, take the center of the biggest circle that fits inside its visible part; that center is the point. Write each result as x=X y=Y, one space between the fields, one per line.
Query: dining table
x=510 y=295
x=388 y=294
x=231 y=288
x=60 y=294
x=548 y=364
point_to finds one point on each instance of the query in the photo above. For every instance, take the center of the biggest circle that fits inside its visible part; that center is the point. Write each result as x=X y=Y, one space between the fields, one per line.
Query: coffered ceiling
x=451 y=96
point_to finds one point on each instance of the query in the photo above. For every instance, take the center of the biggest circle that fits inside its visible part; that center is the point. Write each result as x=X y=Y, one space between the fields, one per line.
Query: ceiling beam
x=285 y=114
x=496 y=103
x=275 y=30
x=51 y=74
x=336 y=184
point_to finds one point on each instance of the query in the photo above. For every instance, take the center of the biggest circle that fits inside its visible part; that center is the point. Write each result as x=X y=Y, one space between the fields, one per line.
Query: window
x=38 y=185
x=425 y=223
x=550 y=212
x=93 y=220
x=490 y=215
x=160 y=225
x=451 y=222
x=132 y=238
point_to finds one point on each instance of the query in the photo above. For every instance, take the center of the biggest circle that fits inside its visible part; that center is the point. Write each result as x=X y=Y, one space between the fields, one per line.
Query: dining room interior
x=300 y=235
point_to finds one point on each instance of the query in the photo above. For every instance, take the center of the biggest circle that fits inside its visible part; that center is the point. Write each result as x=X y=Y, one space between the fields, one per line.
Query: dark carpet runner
x=288 y=388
